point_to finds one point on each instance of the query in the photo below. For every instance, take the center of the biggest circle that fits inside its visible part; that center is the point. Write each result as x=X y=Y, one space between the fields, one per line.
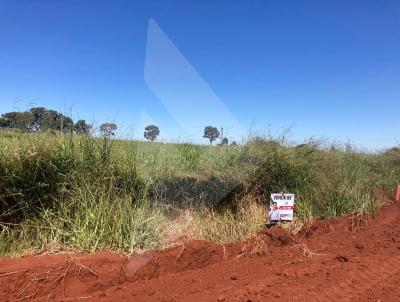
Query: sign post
x=281 y=208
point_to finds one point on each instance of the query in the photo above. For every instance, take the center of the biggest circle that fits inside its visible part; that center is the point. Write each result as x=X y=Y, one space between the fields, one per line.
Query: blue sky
x=326 y=68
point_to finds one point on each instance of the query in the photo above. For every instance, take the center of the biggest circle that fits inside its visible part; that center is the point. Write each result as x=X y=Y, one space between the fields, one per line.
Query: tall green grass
x=85 y=193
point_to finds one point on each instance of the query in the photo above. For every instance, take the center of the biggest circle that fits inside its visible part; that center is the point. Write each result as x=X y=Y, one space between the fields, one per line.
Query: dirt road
x=349 y=259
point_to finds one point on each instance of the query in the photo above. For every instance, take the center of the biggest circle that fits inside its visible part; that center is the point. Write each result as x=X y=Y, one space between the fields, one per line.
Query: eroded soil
x=348 y=259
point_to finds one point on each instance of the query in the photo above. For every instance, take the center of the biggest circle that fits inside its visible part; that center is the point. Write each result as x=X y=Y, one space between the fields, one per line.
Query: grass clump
x=228 y=226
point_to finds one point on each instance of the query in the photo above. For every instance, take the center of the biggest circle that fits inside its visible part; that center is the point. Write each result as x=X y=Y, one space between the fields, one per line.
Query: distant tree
x=107 y=129
x=51 y=120
x=224 y=141
x=37 y=119
x=19 y=120
x=151 y=132
x=234 y=143
x=4 y=122
x=65 y=123
x=212 y=133
x=46 y=121
x=24 y=120
x=81 y=127
x=301 y=146
x=38 y=112
x=10 y=119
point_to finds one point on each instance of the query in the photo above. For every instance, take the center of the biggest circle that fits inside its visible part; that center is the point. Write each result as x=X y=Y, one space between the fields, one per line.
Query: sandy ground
x=349 y=259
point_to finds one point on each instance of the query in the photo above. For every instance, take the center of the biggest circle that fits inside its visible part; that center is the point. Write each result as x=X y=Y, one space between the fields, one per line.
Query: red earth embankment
x=348 y=259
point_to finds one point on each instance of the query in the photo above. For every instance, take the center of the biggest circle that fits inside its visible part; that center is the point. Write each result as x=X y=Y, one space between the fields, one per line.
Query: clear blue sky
x=327 y=68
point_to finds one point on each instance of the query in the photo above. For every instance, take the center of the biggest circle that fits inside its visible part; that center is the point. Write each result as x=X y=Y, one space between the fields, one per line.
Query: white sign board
x=285 y=204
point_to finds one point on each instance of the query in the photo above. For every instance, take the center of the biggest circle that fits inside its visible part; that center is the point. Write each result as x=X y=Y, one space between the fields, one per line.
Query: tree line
x=40 y=119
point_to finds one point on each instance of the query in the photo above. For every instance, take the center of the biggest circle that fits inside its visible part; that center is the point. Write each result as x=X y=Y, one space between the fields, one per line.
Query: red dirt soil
x=348 y=259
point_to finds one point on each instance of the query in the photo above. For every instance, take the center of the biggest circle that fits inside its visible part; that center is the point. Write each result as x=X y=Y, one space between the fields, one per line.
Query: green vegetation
x=41 y=119
x=151 y=132
x=80 y=192
x=212 y=133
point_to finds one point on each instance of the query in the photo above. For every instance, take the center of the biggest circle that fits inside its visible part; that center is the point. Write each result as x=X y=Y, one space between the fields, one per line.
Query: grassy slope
x=90 y=194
